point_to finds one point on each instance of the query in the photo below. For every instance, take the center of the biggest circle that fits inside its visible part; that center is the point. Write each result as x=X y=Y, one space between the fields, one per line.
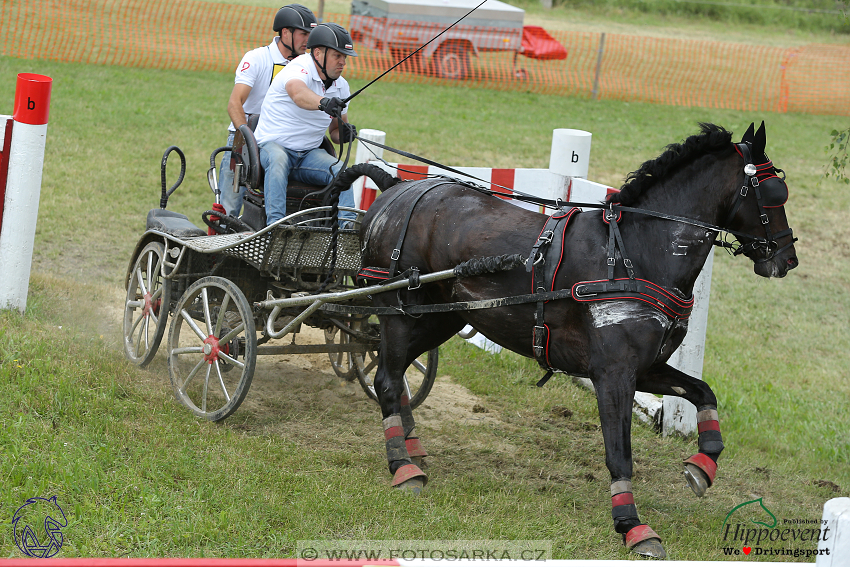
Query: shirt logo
x=349 y=46
x=278 y=67
x=244 y=67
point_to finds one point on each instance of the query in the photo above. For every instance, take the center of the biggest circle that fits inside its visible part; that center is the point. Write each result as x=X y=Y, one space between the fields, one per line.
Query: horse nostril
x=792 y=263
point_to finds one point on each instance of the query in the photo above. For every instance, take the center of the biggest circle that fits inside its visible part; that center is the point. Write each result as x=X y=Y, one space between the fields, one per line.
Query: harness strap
x=543 y=262
x=615 y=239
x=396 y=253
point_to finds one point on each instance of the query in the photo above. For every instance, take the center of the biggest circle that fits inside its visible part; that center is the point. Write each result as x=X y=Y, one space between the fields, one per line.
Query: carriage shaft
x=315 y=349
x=350 y=294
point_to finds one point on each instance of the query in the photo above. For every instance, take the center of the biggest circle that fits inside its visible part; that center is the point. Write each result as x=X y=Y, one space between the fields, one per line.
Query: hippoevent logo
x=37 y=527
x=752 y=529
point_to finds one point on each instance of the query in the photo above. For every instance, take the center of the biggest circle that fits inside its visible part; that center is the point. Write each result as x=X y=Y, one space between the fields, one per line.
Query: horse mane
x=711 y=139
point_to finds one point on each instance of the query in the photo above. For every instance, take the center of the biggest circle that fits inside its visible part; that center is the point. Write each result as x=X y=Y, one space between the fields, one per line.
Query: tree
x=838 y=156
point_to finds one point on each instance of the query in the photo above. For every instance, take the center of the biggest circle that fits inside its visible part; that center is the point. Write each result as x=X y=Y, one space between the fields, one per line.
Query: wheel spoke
x=406 y=387
x=142 y=331
x=141 y=281
x=147 y=333
x=221 y=383
x=231 y=360
x=206 y=388
x=149 y=274
x=191 y=375
x=207 y=319
x=188 y=350
x=221 y=312
x=419 y=366
x=135 y=304
x=232 y=334
x=193 y=325
x=371 y=366
x=136 y=324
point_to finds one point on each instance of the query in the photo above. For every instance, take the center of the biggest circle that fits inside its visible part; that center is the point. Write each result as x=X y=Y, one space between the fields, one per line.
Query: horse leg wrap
x=700 y=469
x=623 y=509
x=401 y=466
x=414 y=447
x=708 y=426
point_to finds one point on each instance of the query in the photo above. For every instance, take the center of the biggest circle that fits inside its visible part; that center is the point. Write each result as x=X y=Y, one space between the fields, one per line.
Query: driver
x=297 y=111
x=255 y=72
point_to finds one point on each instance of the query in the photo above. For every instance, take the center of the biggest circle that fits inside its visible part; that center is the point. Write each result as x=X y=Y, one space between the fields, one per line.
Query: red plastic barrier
x=538 y=44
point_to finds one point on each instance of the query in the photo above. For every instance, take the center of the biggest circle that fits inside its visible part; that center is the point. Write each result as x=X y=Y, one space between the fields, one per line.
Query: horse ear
x=748 y=135
x=759 y=141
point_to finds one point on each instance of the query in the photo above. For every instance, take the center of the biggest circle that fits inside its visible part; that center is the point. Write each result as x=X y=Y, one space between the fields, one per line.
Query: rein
x=756 y=242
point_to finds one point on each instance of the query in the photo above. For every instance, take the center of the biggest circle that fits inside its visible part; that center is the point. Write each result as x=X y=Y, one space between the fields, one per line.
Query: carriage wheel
x=342 y=362
x=212 y=331
x=418 y=378
x=146 y=306
x=452 y=61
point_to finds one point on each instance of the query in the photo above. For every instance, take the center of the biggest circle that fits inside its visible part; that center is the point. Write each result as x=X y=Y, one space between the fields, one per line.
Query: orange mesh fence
x=195 y=35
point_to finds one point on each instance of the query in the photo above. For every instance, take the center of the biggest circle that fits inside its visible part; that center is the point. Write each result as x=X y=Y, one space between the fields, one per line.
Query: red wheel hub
x=211 y=349
x=149 y=305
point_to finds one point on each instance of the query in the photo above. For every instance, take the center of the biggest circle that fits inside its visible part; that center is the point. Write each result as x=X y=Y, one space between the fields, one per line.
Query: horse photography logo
x=755 y=531
x=37 y=528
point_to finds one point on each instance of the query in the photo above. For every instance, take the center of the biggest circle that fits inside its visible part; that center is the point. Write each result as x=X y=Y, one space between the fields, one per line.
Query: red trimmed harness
x=545 y=260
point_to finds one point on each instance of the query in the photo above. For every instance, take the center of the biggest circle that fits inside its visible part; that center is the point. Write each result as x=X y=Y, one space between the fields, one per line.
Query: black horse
x=629 y=269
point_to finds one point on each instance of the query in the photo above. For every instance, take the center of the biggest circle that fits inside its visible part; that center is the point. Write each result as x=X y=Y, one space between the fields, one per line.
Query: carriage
x=552 y=303
x=219 y=288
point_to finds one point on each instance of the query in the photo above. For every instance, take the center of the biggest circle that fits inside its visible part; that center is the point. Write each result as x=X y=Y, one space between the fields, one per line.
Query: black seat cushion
x=172 y=223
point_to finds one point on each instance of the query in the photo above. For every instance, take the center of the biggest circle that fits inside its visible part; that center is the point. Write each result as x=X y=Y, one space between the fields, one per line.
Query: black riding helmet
x=295 y=16
x=331 y=35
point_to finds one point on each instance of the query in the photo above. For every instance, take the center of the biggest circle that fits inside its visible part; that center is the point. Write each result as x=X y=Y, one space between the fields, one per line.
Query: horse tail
x=381 y=178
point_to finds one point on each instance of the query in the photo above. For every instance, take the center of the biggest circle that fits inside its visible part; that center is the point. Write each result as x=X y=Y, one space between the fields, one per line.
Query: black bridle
x=765 y=199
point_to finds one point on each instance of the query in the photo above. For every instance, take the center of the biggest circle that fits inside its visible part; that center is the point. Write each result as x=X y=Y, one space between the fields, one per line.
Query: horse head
x=758 y=208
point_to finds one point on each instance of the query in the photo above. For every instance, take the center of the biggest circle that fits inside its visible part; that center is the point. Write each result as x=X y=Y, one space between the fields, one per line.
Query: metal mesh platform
x=285 y=247
x=309 y=249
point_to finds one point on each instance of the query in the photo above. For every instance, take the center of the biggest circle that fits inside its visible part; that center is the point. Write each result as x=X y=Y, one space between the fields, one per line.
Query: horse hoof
x=650 y=548
x=414 y=485
x=410 y=477
x=643 y=540
x=697 y=479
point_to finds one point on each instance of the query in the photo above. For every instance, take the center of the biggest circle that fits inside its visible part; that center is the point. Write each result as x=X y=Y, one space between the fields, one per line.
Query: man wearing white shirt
x=299 y=107
x=255 y=73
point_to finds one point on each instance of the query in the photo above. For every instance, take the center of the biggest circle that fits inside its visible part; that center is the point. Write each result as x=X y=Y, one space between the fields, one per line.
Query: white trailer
x=399 y=27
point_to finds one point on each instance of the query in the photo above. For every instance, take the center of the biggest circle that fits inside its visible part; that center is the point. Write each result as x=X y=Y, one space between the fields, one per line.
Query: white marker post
x=23 y=187
x=363 y=195
x=836 y=517
x=569 y=158
x=680 y=416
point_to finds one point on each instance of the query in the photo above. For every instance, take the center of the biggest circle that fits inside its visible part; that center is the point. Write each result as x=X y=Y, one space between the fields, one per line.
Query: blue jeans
x=232 y=201
x=314 y=167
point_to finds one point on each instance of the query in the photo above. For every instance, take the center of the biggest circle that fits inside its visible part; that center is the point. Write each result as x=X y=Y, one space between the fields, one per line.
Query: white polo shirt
x=257 y=69
x=291 y=126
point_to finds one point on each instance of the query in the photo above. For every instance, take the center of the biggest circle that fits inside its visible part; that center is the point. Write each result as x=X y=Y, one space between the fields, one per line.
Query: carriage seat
x=254 y=213
x=172 y=223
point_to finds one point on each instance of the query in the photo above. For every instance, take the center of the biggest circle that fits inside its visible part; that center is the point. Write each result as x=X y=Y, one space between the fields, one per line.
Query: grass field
x=138 y=475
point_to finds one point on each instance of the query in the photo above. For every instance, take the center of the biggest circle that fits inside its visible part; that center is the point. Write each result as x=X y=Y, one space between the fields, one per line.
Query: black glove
x=347 y=132
x=332 y=106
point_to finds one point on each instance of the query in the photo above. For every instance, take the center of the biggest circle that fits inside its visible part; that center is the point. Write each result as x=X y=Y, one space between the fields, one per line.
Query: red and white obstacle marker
x=566 y=179
x=21 y=163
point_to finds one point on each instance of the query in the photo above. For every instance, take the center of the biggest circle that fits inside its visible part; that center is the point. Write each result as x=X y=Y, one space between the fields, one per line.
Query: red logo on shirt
x=244 y=67
x=305 y=71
